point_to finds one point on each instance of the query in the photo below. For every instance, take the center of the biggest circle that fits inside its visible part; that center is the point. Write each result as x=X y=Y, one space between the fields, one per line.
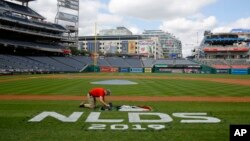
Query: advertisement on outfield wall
x=147 y=70
x=166 y=70
x=108 y=69
x=131 y=47
x=146 y=47
x=239 y=71
x=222 y=71
x=137 y=70
x=124 y=69
x=191 y=70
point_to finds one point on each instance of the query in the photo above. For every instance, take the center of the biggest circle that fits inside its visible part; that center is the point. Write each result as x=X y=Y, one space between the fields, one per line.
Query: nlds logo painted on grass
x=134 y=118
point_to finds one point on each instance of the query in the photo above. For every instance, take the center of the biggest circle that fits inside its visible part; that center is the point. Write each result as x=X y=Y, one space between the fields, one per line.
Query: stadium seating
x=70 y=62
x=57 y=66
x=183 y=62
x=148 y=62
x=117 y=62
x=103 y=62
x=83 y=59
x=32 y=44
x=33 y=23
x=21 y=64
x=134 y=62
x=19 y=9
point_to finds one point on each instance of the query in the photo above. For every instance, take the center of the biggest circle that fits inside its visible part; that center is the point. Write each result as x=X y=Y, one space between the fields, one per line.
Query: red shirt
x=97 y=92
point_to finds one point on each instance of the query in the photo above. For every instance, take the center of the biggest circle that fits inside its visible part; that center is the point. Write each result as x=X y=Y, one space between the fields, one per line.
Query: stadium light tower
x=68 y=15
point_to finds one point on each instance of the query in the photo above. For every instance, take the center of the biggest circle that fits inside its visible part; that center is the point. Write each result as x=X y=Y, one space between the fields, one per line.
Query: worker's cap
x=108 y=91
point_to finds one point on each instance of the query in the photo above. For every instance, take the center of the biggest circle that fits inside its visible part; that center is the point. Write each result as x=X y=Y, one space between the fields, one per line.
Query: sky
x=185 y=19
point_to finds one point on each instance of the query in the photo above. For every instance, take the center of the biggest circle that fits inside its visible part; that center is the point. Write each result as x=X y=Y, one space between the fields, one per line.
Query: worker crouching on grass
x=95 y=93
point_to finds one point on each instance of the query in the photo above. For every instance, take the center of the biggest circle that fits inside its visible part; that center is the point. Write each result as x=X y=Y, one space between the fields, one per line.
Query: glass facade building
x=152 y=43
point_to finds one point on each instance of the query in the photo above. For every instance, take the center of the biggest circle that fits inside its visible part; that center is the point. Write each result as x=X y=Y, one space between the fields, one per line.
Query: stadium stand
x=70 y=62
x=57 y=66
x=103 y=62
x=117 y=62
x=83 y=59
x=148 y=62
x=8 y=6
x=22 y=28
x=134 y=62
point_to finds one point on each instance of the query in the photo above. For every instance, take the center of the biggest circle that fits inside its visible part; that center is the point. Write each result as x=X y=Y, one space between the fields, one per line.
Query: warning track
x=129 y=98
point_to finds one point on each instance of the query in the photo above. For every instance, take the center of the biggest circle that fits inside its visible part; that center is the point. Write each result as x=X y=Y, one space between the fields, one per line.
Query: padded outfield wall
x=163 y=68
x=211 y=70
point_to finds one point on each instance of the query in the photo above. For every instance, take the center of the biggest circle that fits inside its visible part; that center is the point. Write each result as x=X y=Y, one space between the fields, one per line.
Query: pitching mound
x=114 y=82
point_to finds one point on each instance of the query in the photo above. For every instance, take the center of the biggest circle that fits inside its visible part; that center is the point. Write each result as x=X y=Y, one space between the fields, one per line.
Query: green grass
x=14 y=115
x=72 y=85
x=14 y=125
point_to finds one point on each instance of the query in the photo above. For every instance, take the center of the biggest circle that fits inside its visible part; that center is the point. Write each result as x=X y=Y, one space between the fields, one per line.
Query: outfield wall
x=165 y=69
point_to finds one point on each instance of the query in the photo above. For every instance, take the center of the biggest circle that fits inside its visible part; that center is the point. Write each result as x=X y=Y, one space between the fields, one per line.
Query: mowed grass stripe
x=56 y=86
x=146 y=87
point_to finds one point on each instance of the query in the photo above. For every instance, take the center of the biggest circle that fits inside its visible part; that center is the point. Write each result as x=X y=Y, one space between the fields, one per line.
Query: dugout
x=163 y=68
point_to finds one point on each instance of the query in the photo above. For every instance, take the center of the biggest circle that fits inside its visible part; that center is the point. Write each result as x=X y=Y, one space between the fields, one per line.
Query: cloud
x=135 y=29
x=91 y=12
x=240 y=23
x=157 y=9
x=94 y=11
x=47 y=9
x=189 y=31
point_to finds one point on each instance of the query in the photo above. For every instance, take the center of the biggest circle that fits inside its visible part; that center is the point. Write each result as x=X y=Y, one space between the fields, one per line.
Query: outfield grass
x=14 y=115
x=72 y=85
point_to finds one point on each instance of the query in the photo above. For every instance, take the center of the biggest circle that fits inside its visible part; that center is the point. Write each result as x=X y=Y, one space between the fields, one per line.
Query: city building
x=170 y=45
x=152 y=43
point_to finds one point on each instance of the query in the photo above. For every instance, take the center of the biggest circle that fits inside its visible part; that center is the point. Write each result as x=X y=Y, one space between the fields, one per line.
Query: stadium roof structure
x=24 y=0
x=111 y=37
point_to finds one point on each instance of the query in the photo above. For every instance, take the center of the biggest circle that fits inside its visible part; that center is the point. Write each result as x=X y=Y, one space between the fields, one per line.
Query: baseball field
x=186 y=107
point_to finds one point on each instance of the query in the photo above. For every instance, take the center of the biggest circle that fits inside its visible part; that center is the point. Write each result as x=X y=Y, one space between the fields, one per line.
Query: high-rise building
x=170 y=45
x=152 y=43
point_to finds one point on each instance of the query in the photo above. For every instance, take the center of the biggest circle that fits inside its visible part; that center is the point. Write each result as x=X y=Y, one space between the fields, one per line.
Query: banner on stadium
x=131 y=47
x=146 y=46
x=225 y=49
x=110 y=46
x=67 y=17
x=124 y=47
x=71 y=4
